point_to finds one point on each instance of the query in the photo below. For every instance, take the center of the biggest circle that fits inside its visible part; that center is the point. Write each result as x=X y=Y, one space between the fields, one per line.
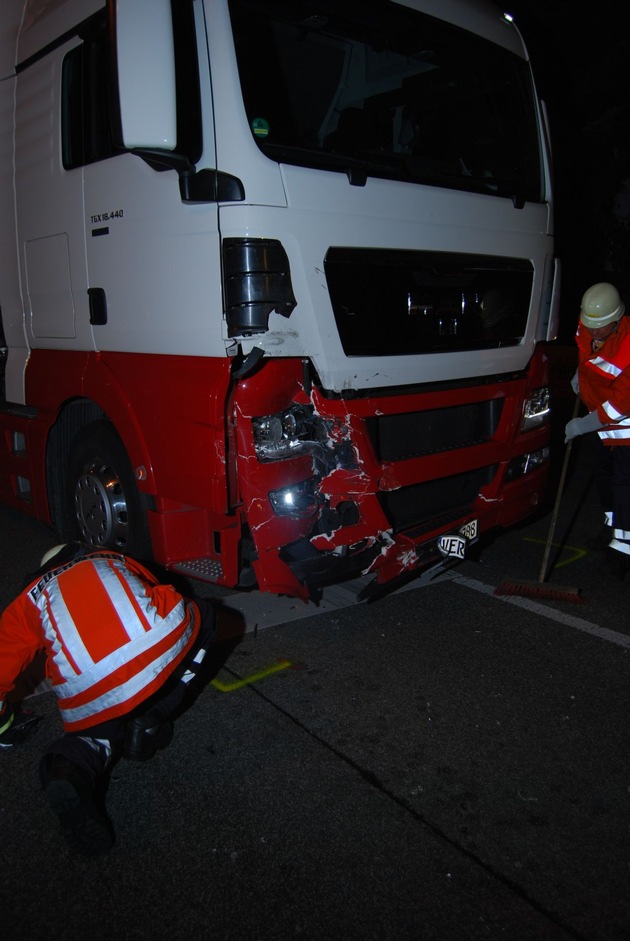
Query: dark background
x=581 y=56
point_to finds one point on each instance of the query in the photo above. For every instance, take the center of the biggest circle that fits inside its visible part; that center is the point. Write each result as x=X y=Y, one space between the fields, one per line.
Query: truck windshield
x=377 y=89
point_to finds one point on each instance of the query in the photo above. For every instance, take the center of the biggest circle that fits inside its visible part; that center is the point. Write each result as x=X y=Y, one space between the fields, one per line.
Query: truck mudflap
x=385 y=485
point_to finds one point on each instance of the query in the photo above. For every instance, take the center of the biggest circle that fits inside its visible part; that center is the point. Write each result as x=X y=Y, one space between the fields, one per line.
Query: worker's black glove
x=581 y=426
x=17 y=726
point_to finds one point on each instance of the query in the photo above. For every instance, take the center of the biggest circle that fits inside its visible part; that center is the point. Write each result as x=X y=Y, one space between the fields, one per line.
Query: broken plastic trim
x=257 y=281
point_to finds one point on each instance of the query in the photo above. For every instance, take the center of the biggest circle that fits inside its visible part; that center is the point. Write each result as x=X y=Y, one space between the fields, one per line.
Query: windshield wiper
x=357 y=167
x=361 y=165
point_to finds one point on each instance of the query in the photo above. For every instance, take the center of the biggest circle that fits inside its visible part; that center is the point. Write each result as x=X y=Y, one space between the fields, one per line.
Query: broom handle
x=554 y=516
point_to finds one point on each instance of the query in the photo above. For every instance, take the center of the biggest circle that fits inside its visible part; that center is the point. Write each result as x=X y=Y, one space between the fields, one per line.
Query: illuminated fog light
x=298 y=501
x=537 y=408
x=526 y=463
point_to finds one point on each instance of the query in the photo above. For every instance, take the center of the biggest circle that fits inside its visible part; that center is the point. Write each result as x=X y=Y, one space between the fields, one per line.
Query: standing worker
x=603 y=382
x=122 y=653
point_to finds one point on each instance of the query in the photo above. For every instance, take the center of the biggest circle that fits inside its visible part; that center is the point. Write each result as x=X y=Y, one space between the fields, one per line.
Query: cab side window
x=86 y=109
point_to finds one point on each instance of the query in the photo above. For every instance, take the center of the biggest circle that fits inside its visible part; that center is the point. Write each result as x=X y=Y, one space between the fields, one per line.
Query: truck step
x=203 y=569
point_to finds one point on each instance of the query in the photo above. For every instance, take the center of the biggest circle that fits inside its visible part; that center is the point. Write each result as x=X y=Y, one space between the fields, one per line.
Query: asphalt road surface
x=443 y=764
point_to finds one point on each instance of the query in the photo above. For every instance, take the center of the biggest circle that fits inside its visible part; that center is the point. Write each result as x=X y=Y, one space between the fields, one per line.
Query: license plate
x=469 y=530
x=453 y=545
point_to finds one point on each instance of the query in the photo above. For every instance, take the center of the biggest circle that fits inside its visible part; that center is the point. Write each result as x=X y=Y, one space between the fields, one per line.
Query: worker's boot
x=146 y=734
x=70 y=794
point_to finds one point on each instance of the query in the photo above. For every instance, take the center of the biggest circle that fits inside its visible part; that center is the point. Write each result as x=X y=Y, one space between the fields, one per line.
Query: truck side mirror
x=144 y=64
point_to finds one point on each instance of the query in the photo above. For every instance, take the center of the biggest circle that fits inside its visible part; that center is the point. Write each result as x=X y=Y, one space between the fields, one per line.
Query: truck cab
x=279 y=278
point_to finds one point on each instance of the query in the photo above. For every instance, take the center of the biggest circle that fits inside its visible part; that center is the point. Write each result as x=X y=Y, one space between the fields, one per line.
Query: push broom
x=541 y=589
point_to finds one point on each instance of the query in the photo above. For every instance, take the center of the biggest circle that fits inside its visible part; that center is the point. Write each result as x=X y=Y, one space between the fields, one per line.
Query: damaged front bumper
x=388 y=485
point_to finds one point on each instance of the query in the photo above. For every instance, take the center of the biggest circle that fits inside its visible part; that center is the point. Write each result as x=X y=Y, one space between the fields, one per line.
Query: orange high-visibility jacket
x=112 y=635
x=604 y=379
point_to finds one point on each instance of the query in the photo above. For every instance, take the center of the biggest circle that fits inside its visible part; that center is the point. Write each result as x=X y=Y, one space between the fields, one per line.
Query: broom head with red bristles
x=531 y=589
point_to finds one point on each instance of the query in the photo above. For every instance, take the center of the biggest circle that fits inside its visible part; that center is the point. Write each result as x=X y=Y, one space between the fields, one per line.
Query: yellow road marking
x=575 y=552
x=282 y=664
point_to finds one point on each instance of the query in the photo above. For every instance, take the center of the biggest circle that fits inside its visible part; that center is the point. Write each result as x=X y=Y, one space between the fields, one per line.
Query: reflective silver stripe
x=618 y=434
x=623 y=534
x=604 y=366
x=612 y=412
x=37 y=589
x=62 y=631
x=145 y=628
x=75 y=685
x=125 y=691
x=59 y=627
x=133 y=625
x=620 y=546
x=191 y=674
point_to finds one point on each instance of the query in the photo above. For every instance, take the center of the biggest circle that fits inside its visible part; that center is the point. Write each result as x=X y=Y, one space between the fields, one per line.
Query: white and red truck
x=276 y=281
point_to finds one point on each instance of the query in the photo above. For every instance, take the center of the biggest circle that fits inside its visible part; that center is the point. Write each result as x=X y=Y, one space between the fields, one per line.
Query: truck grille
x=417 y=434
x=397 y=303
x=401 y=437
x=426 y=506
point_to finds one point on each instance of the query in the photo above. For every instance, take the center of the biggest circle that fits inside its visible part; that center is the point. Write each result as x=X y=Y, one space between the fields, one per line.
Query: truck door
x=153 y=259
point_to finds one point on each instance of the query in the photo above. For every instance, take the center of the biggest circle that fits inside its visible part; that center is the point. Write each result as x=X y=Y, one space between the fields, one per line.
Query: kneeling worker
x=123 y=651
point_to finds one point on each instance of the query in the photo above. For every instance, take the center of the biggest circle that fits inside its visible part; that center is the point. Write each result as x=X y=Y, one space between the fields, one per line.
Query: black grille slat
x=426 y=505
x=417 y=434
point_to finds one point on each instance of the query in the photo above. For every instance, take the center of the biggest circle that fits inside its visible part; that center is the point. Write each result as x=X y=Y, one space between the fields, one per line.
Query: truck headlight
x=288 y=433
x=536 y=408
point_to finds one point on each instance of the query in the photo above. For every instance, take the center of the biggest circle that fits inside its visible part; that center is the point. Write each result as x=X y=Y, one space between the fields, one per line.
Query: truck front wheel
x=104 y=504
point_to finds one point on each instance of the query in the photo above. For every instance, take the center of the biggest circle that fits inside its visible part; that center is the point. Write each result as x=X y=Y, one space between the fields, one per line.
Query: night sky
x=581 y=58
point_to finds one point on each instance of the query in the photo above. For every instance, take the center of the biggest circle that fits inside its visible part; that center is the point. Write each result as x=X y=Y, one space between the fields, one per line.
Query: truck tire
x=105 y=507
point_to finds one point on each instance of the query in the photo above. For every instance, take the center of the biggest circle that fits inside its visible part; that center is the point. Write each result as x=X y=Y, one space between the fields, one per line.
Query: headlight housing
x=288 y=433
x=536 y=408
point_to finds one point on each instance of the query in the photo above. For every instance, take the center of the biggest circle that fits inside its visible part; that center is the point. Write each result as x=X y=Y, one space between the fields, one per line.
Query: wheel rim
x=101 y=507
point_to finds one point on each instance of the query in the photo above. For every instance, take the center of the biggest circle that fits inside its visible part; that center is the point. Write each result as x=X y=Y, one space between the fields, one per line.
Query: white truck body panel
x=159 y=261
x=330 y=211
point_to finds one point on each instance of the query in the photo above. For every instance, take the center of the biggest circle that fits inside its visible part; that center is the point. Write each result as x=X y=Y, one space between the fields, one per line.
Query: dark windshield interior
x=377 y=89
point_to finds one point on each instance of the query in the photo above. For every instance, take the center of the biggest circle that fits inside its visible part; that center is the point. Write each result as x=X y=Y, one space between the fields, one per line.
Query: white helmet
x=52 y=553
x=601 y=305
